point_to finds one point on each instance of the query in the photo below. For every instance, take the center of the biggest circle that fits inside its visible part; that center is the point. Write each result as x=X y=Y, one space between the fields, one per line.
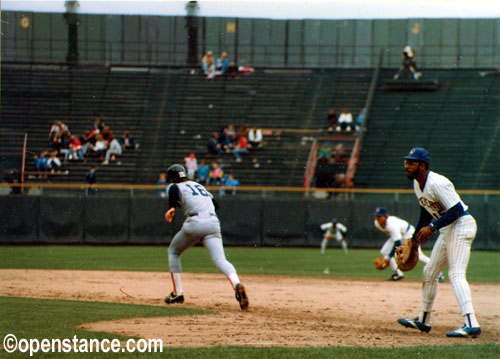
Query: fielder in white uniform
x=399 y=231
x=201 y=224
x=333 y=230
x=442 y=210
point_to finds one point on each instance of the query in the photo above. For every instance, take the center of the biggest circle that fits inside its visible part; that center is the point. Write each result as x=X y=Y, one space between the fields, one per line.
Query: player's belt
x=196 y=214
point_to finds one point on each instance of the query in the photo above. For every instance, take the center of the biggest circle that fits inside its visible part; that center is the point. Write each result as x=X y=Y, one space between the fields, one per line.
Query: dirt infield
x=284 y=311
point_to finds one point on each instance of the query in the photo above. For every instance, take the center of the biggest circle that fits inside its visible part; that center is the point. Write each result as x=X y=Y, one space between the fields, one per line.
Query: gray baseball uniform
x=201 y=224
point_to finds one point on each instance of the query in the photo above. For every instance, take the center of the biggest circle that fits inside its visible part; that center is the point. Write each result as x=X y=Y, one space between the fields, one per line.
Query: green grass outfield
x=37 y=318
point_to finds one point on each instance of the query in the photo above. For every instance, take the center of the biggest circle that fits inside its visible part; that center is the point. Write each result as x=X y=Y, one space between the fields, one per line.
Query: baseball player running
x=399 y=231
x=201 y=224
x=333 y=230
x=442 y=210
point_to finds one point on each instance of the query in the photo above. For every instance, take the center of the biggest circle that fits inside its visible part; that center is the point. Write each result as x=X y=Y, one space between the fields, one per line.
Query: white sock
x=470 y=320
x=177 y=282
x=324 y=242
x=344 y=245
x=233 y=277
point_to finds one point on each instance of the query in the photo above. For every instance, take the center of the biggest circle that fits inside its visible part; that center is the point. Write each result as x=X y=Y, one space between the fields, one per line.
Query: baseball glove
x=381 y=263
x=407 y=255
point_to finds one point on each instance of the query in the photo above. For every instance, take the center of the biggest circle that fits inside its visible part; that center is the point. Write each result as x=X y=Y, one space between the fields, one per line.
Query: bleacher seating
x=172 y=112
x=459 y=124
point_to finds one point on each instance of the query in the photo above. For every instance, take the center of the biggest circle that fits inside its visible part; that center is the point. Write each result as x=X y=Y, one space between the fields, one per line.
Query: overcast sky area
x=277 y=9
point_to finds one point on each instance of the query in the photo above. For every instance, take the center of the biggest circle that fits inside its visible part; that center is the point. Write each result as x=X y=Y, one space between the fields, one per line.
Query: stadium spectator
x=230 y=134
x=242 y=131
x=345 y=120
x=255 y=137
x=216 y=174
x=213 y=146
x=191 y=165
x=208 y=65
x=162 y=182
x=241 y=147
x=107 y=134
x=222 y=63
x=114 y=149
x=54 y=163
x=409 y=65
x=325 y=151
x=332 y=120
x=229 y=181
x=75 y=148
x=100 y=147
x=91 y=179
x=203 y=171
x=41 y=164
x=128 y=142
x=358 y=124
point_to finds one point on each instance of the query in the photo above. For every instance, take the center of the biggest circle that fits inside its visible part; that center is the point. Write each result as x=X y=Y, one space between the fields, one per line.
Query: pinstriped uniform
x=453 y=245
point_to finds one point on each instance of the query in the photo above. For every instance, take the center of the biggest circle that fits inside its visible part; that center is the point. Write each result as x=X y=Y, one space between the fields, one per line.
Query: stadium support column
x=192 y=32
x=71 y=17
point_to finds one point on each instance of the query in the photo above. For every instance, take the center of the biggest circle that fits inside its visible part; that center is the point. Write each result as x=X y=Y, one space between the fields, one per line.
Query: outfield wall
x=245 y=221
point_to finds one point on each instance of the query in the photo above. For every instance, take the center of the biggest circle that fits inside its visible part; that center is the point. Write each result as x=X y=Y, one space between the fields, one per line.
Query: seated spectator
x=107 y=134
x=114 y=148
x=338 y=153
x=216 y=174
x=241 y=147
x=86 y=142
x=358 y=124
x=128 y=142
x=224 y=142
x=203 y=171
x=332 y=119
x=231 y=133
x=232 y=70
x=54 y=163
x=255 y=137
x=97 y=126
x=208 y=65
x=100 y=147
x=75 y=148
x=191 y=165
x=242 y=131
x=63 y=143
x=41 y=164
x=345 y=120
x=162 y=181
x=325 y=151
x=222 y=63
x=229 y=181
x=54 y=130
x=213 y=146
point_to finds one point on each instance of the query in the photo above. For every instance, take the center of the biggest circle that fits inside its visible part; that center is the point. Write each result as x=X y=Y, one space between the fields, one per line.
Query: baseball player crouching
x=399 y=231
x=442 y=210
x=201 y=224
x=333 y=230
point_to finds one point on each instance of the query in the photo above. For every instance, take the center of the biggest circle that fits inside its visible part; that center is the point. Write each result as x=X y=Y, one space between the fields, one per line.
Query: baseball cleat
x=415 y=324
x=172 y=298
x=464 y=332
x=241 y=296
x=395 y=277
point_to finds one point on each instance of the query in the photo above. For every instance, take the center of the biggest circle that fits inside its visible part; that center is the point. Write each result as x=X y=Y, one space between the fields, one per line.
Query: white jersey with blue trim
x=396 y=228
x=334 y=232
x=438 y=196
x=194 y=198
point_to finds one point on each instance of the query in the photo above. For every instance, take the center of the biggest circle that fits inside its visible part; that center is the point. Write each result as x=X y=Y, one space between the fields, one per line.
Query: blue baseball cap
x=335 y=220
x=380 y=211
x=418 y=154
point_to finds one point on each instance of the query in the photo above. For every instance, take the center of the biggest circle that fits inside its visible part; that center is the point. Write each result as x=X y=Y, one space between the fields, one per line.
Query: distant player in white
x=333 y=230
x=201 y=224
x=442 y=210
x=399 y=231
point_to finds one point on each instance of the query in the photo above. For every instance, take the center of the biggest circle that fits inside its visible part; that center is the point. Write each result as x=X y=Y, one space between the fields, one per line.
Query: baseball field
x=302 y=304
